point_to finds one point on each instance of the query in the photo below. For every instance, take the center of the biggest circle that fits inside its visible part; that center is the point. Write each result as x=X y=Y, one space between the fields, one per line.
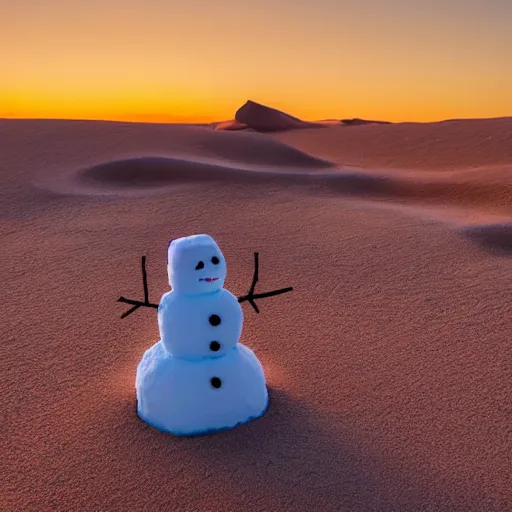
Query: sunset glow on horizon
x=199 y=61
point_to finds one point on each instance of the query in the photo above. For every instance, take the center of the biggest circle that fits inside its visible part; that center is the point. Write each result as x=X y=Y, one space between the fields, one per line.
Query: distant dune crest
x=356 y=121
x=267 y=119
x=261 y=118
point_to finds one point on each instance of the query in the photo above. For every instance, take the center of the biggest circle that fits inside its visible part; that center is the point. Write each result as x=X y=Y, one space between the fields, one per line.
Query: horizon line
x=208 y=123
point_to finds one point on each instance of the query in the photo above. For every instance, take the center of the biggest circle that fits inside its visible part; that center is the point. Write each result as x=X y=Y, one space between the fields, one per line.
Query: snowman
x=198 y=378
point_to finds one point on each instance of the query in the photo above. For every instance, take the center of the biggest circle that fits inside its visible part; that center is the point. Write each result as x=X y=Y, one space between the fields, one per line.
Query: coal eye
x=200 y=265
x=215 y=260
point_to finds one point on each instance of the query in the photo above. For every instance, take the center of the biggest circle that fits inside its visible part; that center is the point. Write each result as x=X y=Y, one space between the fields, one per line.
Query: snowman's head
x=195 y=265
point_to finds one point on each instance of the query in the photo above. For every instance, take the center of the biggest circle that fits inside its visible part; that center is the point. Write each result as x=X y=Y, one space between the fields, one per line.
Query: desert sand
x=389 y=365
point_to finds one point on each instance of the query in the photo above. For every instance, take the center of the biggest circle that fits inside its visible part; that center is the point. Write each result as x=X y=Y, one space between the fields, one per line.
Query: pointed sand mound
x=266 y=119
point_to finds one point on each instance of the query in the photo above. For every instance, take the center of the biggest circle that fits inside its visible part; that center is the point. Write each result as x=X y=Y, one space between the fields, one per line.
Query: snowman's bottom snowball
x=179 y=396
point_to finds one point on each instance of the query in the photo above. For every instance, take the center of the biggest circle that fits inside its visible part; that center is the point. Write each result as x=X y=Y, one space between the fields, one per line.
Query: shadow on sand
x=494 y=238
x=293 y=459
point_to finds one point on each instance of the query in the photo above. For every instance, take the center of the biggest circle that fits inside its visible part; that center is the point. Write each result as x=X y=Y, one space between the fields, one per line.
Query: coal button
x=214 y=320
x=216 y=382
x=214 y=346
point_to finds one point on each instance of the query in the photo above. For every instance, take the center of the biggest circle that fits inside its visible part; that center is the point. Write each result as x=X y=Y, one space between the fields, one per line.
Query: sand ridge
x=157 y=158
x=181 y=155
x=447 y=145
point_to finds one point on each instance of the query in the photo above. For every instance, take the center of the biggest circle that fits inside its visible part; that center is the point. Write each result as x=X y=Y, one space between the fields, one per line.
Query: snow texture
x=185 y=327
x=192 y=262
x=176 y=395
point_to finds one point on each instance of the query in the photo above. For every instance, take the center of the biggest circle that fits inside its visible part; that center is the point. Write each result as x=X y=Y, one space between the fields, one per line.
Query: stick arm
x=251 y=296
x=137 y=303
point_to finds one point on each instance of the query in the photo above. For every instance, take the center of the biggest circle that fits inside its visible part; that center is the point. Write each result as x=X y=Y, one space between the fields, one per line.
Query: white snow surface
x=185 y=327
x=198 y=378
x=177 y=396
x=192 y=263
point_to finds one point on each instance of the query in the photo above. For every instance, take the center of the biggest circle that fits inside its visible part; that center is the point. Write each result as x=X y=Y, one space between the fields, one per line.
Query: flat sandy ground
x=389 y=365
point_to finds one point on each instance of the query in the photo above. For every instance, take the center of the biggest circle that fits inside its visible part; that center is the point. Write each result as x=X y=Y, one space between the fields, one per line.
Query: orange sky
x=170 y=60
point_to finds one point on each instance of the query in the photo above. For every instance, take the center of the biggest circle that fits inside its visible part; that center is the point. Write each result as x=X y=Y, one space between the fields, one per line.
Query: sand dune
x=266 y=119
x=160 y=172
x=451 y=189
x=98 y=156
x=458 y=144
x=356 y=121
x=94 y=140
x=188 y=154
x=388 y=365
x=151 y=172
x=261 y=118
